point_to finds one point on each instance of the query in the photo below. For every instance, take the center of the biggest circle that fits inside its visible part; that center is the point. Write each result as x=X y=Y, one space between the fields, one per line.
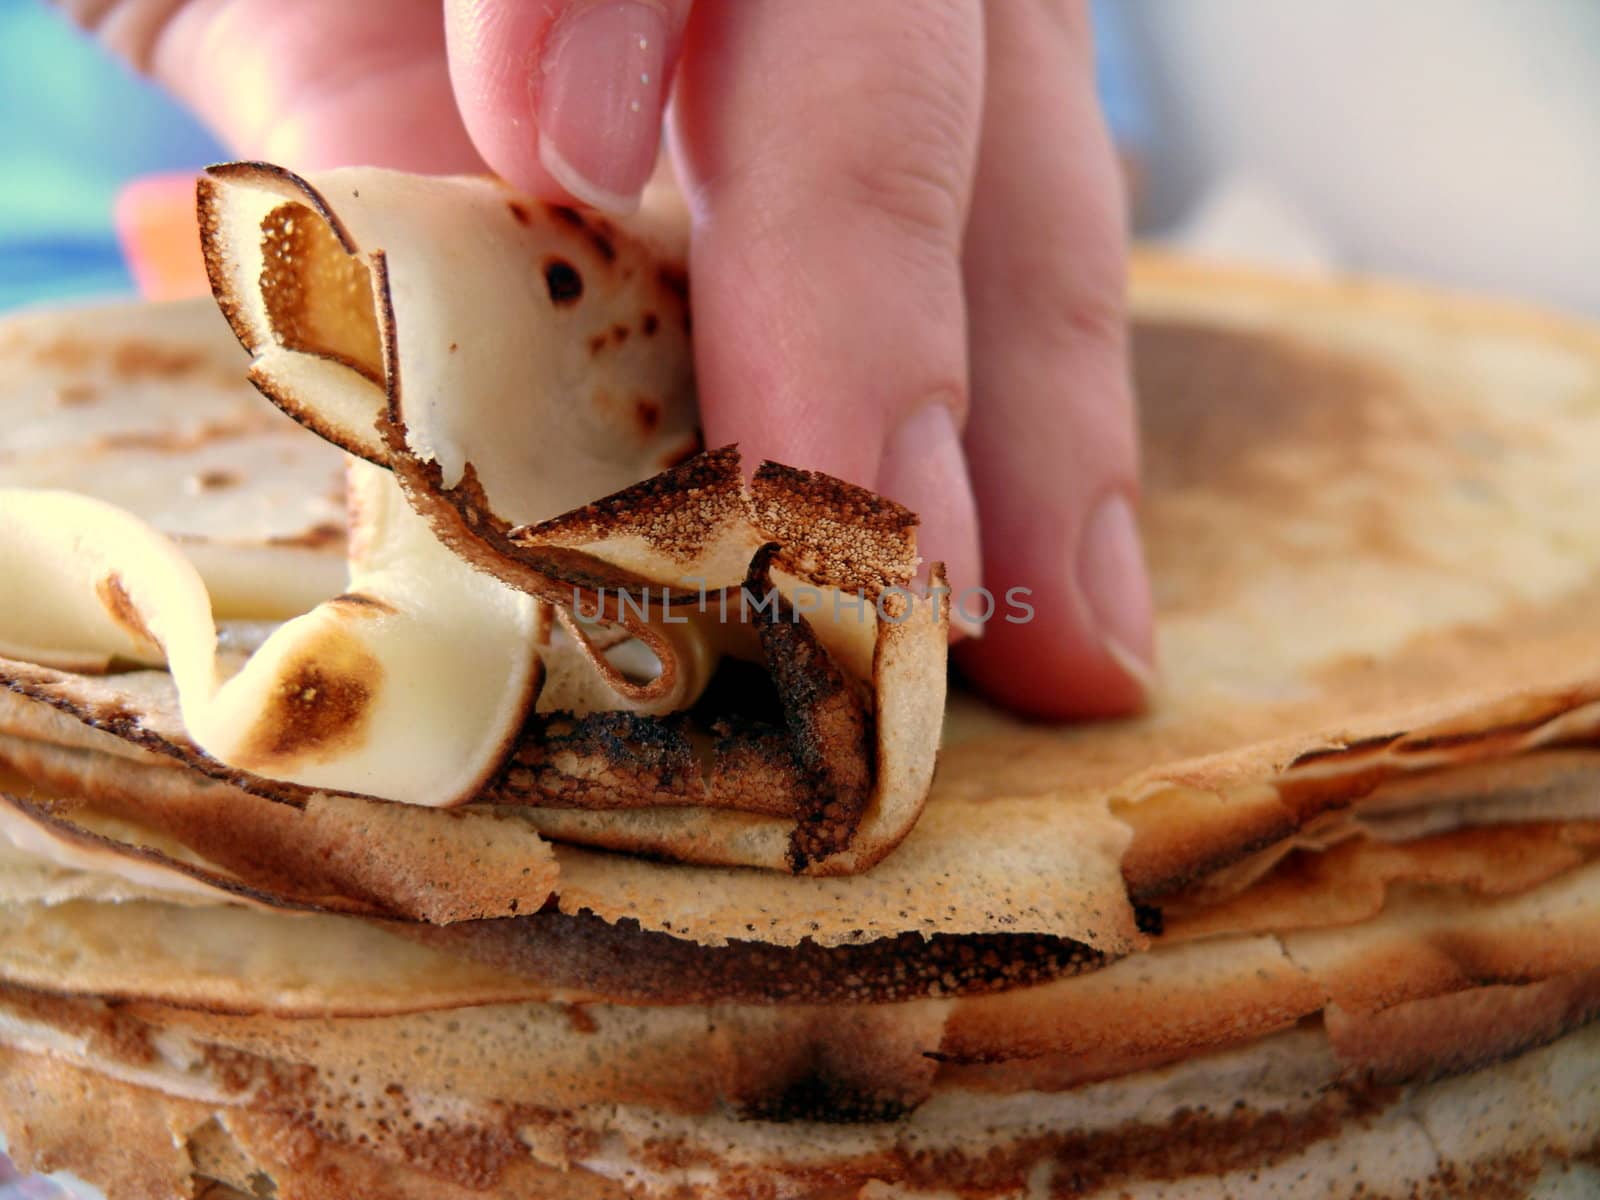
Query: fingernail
x=925 y=469
x=1113 y=581
x=599 y=92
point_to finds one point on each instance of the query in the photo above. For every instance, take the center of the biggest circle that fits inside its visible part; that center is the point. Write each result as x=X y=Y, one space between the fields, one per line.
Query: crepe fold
x=491 y=366
x=1327 y=917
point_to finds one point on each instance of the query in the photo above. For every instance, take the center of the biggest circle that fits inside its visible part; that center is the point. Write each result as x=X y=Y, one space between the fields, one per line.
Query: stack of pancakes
x=1325 y=921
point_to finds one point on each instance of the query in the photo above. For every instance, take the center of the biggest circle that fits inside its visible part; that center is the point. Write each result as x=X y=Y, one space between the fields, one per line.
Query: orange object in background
x=156 y=229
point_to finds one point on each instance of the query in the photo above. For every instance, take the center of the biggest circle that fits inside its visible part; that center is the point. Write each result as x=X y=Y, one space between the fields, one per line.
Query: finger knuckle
x=129 y=28
x=1069 y=307
x=896 y=139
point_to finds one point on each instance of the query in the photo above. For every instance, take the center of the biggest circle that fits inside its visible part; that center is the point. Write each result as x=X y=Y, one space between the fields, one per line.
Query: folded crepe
x=503 y=636
x=1325 y=919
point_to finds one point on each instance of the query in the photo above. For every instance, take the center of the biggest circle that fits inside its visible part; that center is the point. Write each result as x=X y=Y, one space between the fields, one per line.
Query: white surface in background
x=1452 y=140
x=1245 y=219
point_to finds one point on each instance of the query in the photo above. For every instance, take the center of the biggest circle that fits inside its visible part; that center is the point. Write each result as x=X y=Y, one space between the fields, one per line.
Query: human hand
x=897 y=209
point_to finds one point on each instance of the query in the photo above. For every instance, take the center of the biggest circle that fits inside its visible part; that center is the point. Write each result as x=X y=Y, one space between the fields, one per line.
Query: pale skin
x=907 y=251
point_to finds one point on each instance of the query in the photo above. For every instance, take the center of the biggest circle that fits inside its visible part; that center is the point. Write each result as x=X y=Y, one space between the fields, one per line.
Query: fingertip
x=1054 y=673
x=925 y=469
x=1111 y=578
x=1077 y=635
x=564 y=98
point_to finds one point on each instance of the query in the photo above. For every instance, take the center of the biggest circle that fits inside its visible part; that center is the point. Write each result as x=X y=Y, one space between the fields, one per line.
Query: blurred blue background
x=77 y=125
x=1456 y=141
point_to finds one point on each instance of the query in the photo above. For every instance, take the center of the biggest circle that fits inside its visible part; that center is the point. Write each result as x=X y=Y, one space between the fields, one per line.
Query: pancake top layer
x=1364 y=512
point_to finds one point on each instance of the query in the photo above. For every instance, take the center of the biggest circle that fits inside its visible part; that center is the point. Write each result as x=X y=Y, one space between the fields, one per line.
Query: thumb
x=564 y=97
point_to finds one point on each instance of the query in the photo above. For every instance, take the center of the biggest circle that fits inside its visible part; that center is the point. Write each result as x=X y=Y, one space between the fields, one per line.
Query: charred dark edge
x=461 y=519
x=205 y=205
x=651 y=752
x=248 y=171
x=302 y=416
x=819 y=703
x=784 y=500
x=855 y=859
x=647 y=762
x=128 y=727
x=231 y=886
x=1148 y=919
x=709 y=471
x=871 y=511
x=837 y=804
x=584 y=956
x=207 y=198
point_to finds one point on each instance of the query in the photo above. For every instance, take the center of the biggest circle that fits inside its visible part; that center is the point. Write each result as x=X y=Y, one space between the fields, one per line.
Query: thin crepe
x=345 y=286
x=337 y=698
x=818 y=789
x=1276 y=710
x=1297 y=1096
x=164 y=830
x=1381 y=916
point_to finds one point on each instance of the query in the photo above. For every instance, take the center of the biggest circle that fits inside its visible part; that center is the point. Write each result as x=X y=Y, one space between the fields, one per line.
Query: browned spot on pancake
x=454 y=347
x=597 y=343
x=319 y=298
x=213 y=481
x=619 y=334
x=1213 y=398
x=129 y=359
x=104 y=1028
x=320 y=709
x=1267 y=421
x=563 y=281
x=177 y=440
x=676 y=511
x=75 y=395
x=649 y=323
x=66 y=353
x=675 y=280
x=600 y=760
x=599 y=232
x=317 y=537
x=363 y=605
x=134 y=359
x=580 y=1020
x=113 y=716
x=647 y=413
x=119 y=605
x=834 y=533
x=519 y=212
